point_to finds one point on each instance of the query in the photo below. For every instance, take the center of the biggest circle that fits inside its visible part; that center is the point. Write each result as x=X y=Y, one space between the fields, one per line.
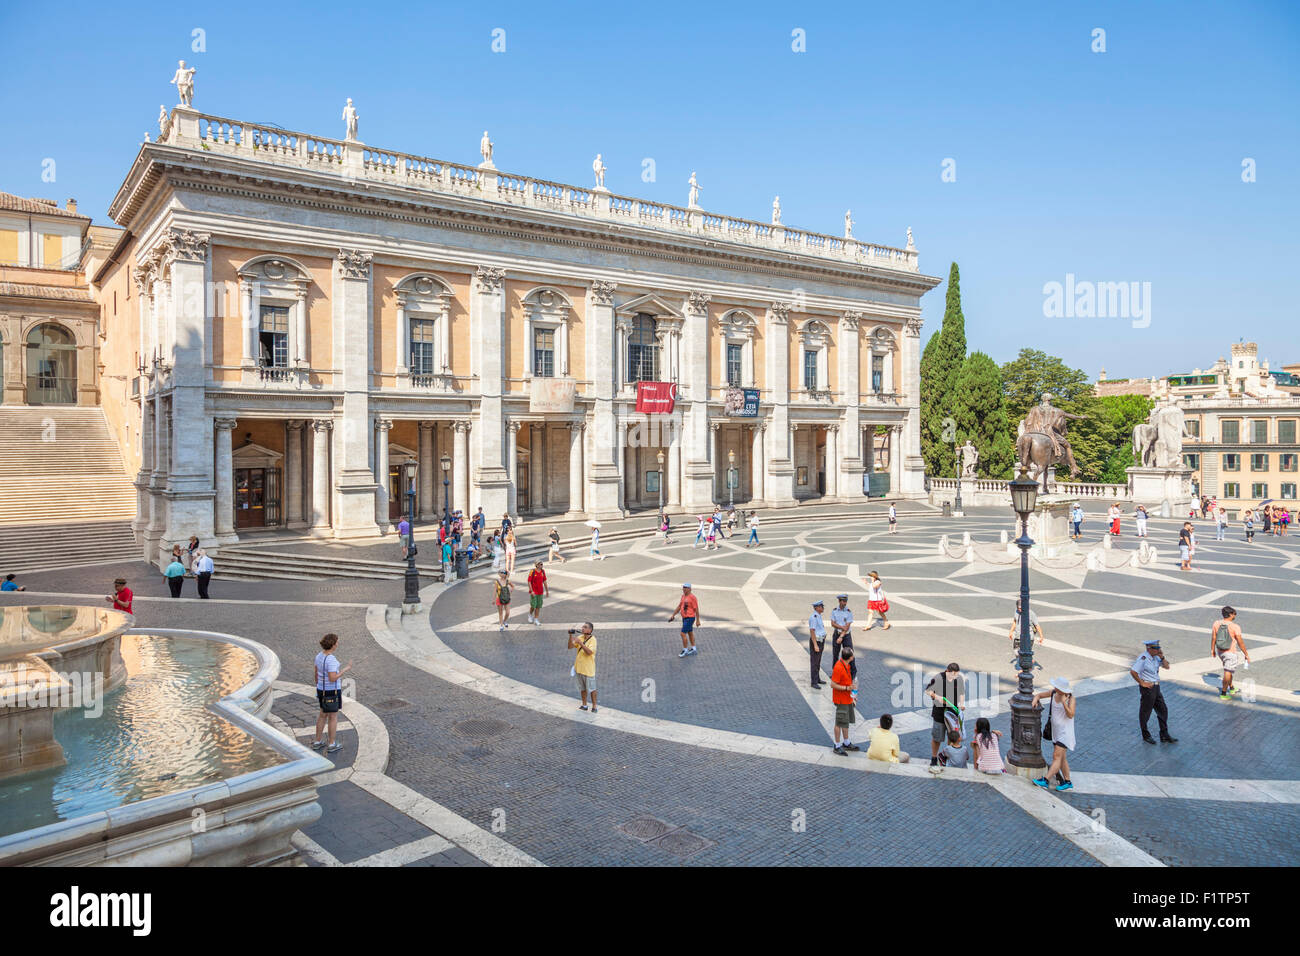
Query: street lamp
x=1026 y=734
x=731 y=480
x=957 y=452
x=660 y=456
x=412 y=576
x=445 y=461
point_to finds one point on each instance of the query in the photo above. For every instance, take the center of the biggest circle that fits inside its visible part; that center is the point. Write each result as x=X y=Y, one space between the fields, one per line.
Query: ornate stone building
x=310 y=313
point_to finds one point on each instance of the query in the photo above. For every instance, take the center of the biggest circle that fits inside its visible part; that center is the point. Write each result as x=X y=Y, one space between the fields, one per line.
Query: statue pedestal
x=966 y=491
x=1049 y=526
x=1152 y=486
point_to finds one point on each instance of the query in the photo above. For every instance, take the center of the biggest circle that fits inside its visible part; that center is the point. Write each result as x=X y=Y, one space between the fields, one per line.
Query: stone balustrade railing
x=998 y=487
x=286 y=147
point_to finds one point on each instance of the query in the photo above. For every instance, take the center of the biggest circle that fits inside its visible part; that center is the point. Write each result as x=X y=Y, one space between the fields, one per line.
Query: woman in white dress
x=1060 y=719
x=498 y=553
x=511 y=551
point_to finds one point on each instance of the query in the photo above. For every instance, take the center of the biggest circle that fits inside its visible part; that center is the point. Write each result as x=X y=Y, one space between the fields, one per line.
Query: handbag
x=331 y=701
x=1047 y=724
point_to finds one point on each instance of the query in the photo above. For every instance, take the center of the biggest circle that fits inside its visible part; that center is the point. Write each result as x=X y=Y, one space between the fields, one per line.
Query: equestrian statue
x=1042 y=443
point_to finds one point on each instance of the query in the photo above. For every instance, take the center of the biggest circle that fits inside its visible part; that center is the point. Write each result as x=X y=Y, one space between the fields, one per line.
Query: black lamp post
x=412 y=576
x=1026 y=734
x=731 y=480
x=445 y=461
x=957 y=451
x=660 y=457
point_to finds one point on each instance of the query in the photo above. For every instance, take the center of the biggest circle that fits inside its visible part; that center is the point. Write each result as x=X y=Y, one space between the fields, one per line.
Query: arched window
x=51 y=366
x=643 y=350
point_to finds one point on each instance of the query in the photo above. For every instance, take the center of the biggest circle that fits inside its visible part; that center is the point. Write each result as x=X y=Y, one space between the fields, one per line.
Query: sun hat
x=685 y=585
x=1061 y=684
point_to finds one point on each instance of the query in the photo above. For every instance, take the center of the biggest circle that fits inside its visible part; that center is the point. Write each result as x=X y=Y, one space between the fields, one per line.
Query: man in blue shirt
x=9 y=584
x=1076 y=519
x=1146 y=671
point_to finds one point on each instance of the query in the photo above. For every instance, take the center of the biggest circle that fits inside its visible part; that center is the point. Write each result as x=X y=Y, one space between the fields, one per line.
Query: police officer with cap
x=841 y=628
x=816 y=638
x=1146 y=671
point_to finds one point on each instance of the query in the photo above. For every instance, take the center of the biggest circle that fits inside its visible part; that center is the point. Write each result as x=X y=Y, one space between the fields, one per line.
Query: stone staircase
x=241 y=562
x=65 y=498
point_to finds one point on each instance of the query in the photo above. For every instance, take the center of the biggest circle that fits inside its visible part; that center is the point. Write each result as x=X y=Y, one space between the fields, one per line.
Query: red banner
x=655 y=398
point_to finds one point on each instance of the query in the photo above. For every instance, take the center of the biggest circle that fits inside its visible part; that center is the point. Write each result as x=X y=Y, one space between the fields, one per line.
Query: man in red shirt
x=842 y=686
x=537 y=589
x=689 y=608
x=121 y=599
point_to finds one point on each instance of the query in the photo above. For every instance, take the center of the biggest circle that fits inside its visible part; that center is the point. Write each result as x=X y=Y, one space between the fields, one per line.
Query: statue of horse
x=1144 y=443
x=1035 y=455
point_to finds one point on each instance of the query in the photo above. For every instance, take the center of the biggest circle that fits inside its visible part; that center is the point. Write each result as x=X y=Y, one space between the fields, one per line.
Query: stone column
x=248 y=300
x=293 y=475
x=512 y=467
x=603 y=472
x=493 y=484
x=320 y=475
x=912 y=479
x=460 y=469
x=756 y=462
x=382 y=427
x=430 y=475
x=224 y=517
x=575 y=470
x=536 y=476
x=848 y=446
x=895 y=460
x=779 y=482
x=832 y=461
x=699 y=479
x=528 y=344
x=564 y=347
x=142 y=476
x=675 y=462
x=354 y=478
x=300 y=354
x=719 y=463
x=403 y=340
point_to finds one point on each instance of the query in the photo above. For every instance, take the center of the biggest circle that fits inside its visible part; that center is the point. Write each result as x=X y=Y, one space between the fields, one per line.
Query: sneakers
x=684 y=652
x=692 y=649
x=839 y=751
x=853 y=747
x=333 y=748
x=1041 y=782
x=1234 y=691
x=593 y=708
x=1064 y=786
x=583 y=707
x=317 y=744
x=1225 y=697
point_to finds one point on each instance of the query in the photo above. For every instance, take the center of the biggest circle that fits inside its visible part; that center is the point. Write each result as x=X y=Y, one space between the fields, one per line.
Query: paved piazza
x=465 y=746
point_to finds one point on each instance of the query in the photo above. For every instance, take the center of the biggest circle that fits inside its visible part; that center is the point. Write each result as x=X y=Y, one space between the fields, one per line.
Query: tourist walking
x=893 y=518
x=1059 y=729
x=512 y=551
x=1140 y=516
x=329 y=693
x=404 y=535
x=537 y=590
x=175 y=574
x=203 y=570
x=594 y=554
x=498 y=552
x=711 y=534
x=555 y=555
x=501 y=599
x=665 y=528
x=883 y=743
x=191 y=552
x=1220 y=525
x=122 y=598
x=841 y=627
x=699 y=532
x=988 y=748
x=11 y=585
x=877 y=602
x=842 y=687
x=1248 y=523
x=448 y=561
x=1034 y=628
x=816 y=639
x=1146 y=671
x=1076 y=521
x=1227 y=645
x=1285 y=521
x=689 y=608
x=753 y=541
x=476 y=525
x=584 y=664
x=947 y=693
x=1185 y=546
x=1114 y=518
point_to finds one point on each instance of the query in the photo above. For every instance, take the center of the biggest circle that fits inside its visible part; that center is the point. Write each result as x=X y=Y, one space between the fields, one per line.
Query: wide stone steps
x=29 y=548
x=248 y=563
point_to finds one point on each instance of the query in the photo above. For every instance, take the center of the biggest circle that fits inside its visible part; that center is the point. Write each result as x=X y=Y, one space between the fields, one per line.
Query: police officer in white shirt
x=1146 y=671
x=841 y=628
x=816 y=638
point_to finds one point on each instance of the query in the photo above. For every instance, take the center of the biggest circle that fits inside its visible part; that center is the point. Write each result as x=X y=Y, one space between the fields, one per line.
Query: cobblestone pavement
x=570 y=792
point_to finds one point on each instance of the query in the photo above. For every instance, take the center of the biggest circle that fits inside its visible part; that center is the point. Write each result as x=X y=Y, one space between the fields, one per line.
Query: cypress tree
x=941 y=364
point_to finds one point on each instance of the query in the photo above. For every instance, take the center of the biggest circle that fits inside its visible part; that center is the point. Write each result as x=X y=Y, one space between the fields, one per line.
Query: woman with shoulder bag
x=329 y=692
x=1059 y=729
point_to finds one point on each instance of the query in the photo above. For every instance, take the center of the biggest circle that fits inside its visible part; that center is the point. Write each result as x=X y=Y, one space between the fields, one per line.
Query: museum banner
x=655 y=398
x=741 y=403
x=551 y=395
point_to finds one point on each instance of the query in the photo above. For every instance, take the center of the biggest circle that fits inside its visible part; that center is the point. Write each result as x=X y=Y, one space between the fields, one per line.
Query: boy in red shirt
x=842 y=686
x=689 y=608
x=121 y=599
x=537 y=589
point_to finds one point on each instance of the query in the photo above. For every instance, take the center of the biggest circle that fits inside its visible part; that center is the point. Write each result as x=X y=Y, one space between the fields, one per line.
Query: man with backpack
x=1227 y=646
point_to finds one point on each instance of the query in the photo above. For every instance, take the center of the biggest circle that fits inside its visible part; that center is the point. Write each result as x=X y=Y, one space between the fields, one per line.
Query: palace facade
x=288 y=319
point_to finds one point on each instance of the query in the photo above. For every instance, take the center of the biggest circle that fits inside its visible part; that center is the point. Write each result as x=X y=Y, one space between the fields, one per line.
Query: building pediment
x=649 y=303
x=253 y=455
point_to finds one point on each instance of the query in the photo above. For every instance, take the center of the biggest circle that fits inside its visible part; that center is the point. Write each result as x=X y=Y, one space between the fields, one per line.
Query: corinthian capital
x=912 y=327
x=602 y=293
x=780 y=312
x=697 y=303
x=851 y=321
x=183 y=245
x=489 y=278
x=354 y=264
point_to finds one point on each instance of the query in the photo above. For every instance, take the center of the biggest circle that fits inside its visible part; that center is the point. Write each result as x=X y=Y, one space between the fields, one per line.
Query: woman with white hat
x=1059 y=728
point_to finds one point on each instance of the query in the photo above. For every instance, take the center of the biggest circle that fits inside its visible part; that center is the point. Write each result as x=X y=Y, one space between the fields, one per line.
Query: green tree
x=1122 y=412
x=981 y=415
x=941 y=364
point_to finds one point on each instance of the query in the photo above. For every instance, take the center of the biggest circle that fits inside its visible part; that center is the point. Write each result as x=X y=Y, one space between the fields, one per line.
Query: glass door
x=250 y=497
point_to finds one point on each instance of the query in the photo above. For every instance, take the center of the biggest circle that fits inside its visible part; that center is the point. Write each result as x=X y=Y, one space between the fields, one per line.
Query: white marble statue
x=848 y=224
x=598 y=167
x=776 y=211
x=350 y=118
x=485 y=147
x=1170 y=423
x=969 y=457
x=183 y=80
x=910 y=243
x=164 y=123
x=694 y=201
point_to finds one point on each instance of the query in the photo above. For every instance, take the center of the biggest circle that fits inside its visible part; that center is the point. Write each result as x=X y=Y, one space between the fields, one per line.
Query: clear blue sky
x=1115 y=166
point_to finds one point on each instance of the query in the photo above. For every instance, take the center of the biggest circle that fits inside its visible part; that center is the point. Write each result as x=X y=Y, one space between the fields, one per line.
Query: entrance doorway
x=51 y=366
x=396 y=493
x=523 y=502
